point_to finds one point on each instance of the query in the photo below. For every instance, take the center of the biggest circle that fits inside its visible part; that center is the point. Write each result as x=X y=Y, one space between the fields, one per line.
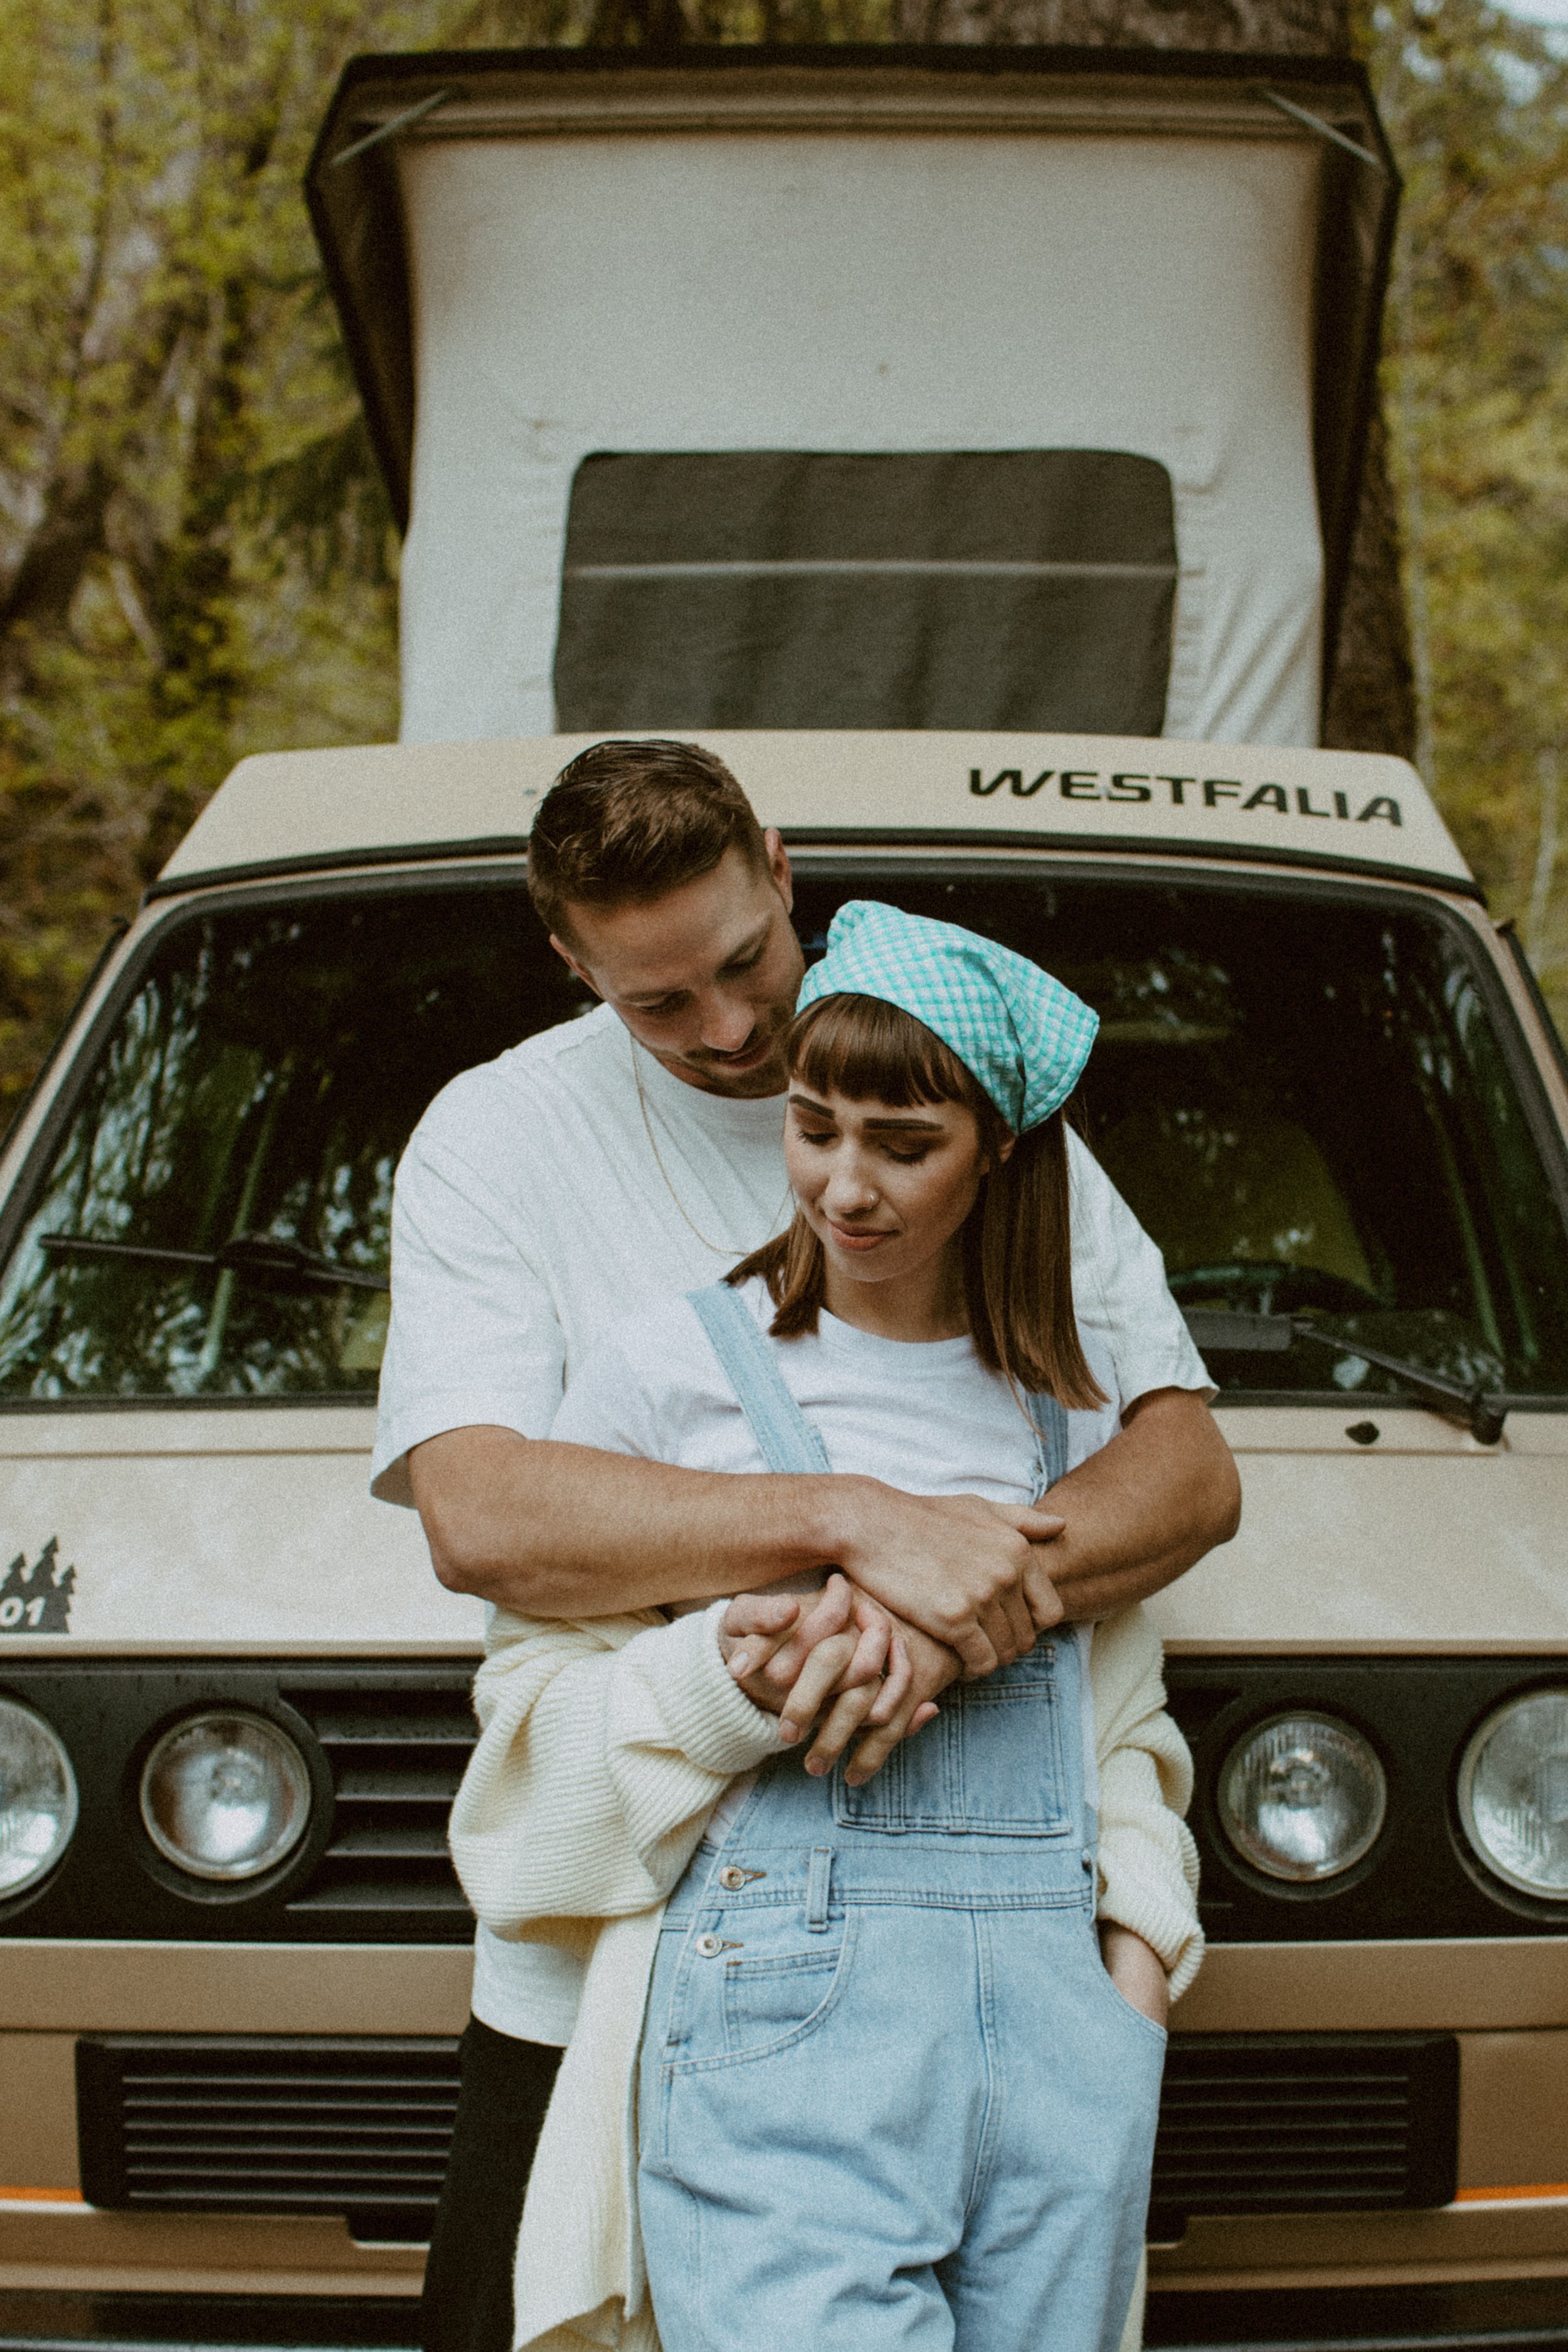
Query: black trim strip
x=1533 y=989
x=956 y=837
x=829 y=837
x=337 y=861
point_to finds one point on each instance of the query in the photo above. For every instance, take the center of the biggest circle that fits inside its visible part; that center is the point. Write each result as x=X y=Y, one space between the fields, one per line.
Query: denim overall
x=887 y=2094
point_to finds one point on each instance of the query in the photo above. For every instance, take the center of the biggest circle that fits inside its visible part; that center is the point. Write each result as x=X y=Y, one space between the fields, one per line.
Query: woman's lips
x=858 y=1242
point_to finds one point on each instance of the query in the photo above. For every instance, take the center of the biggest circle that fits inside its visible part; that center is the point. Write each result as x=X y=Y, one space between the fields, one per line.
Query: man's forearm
x=555 y=1530
x=1140 y=1512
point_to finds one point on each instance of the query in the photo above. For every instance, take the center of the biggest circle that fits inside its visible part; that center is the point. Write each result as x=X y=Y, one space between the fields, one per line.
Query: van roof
x=891 y=257
x=293 y=811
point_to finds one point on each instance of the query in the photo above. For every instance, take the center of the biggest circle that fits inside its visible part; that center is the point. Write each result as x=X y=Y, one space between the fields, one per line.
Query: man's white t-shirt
x=532 y=1212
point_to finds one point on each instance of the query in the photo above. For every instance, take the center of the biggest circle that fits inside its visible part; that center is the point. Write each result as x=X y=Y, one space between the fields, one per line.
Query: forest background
x=197 y=559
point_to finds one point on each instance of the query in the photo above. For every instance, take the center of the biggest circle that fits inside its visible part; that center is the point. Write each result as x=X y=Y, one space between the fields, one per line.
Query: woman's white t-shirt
x=925 y=1415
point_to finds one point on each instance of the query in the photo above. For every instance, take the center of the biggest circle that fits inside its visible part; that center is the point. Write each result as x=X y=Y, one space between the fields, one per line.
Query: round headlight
x=37 y=1798
x=226 y=1796
x=1302 y=1797
x=1513 y=1793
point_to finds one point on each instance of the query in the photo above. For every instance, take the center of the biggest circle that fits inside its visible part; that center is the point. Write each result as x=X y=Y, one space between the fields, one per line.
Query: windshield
x=1300 y=1092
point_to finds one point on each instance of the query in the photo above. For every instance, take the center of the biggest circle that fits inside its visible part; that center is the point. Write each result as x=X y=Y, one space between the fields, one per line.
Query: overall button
x=732 y=1877
x=710 y=1947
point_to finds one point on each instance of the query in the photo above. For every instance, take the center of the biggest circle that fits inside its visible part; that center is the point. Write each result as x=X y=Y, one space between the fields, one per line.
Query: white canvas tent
x=864 y=322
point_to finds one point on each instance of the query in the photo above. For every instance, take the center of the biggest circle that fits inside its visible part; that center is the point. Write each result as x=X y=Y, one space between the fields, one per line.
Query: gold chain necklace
x=719 y=1249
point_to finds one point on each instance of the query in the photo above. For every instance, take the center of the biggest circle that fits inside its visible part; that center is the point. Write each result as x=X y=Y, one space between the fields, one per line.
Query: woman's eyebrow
x=906 y=1123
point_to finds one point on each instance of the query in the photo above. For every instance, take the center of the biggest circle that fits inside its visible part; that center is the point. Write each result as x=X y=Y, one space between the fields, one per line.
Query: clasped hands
x=846 y=1663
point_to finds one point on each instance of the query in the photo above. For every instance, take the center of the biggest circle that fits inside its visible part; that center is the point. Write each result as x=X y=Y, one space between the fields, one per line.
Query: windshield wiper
x=257 y=1257
x=1234 y=1331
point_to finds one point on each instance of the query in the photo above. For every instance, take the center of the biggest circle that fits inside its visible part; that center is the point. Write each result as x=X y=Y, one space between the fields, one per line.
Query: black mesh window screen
x=1025 y=588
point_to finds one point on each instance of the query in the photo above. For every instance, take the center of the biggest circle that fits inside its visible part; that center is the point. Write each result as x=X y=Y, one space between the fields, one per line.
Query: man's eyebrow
x=753 y=946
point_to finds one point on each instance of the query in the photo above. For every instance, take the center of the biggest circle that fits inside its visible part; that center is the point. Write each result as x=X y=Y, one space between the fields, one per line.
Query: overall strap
x=1050 y=1426
x=1051 y=1422
x=785 y=1439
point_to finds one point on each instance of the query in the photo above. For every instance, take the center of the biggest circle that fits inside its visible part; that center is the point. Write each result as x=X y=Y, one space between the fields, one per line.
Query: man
x=602 y=1166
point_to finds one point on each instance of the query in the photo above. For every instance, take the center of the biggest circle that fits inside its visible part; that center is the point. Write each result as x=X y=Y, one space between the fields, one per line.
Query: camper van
x=966 y=445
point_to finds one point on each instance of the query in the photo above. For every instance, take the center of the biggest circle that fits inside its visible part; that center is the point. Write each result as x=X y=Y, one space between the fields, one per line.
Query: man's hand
x=1140 y=1511
x=962 y=1569
x=556 y=1531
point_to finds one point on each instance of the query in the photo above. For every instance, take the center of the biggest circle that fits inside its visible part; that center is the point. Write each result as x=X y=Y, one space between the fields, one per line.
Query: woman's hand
x=1136 y=1970
x=753 y=1630
x=845 y=1664
x=792 y=1662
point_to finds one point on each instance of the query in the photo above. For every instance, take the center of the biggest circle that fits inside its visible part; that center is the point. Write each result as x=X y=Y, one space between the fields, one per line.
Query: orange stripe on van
x=42 y=2197
x=1501 y=2195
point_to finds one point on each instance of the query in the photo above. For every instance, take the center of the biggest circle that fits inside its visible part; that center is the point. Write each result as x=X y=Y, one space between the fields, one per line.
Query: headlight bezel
x=1491 y=1876
x=1279 y=1881
x=292 y=1865
x=24 y=1890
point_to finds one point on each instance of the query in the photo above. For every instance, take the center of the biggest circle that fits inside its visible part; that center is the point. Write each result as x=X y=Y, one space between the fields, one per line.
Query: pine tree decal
x=38 y=1599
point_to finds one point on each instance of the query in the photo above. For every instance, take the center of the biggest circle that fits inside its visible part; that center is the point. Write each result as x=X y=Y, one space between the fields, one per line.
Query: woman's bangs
x=869 y=1050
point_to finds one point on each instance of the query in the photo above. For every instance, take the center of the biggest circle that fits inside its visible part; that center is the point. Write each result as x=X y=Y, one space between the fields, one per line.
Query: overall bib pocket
x=989 y=1766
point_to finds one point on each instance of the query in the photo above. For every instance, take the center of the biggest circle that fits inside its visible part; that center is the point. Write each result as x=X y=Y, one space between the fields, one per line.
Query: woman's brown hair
x=1017 y=1238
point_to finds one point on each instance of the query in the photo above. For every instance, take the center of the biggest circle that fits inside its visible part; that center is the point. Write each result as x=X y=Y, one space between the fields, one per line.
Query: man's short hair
x=625 y=823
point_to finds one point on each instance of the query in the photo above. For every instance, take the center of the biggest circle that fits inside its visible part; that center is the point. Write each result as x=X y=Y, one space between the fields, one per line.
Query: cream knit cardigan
x=605 y=1745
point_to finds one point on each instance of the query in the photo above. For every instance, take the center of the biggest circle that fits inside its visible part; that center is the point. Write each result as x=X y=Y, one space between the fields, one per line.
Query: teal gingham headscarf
x=1023 y=1034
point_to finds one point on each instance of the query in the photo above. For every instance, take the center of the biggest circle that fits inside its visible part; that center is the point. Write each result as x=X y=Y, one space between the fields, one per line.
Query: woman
x=889 y=2091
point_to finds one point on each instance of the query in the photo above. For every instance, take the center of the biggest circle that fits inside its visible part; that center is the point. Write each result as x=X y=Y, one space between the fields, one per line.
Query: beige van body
x=1014 y=397
x=216 y=1539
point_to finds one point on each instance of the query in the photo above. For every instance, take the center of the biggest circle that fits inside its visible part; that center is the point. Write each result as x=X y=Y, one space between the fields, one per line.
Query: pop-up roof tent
x=864 y=388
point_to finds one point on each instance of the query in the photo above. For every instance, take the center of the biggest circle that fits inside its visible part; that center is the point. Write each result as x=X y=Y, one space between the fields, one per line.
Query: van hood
x=252 y=1532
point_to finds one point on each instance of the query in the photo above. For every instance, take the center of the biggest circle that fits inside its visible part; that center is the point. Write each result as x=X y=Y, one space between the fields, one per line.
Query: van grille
x=1311 y=2123
x=396 y=1748
x=268 y=2125
x=1249 y=2122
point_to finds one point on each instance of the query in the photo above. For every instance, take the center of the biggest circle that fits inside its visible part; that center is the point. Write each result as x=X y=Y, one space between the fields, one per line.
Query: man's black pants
x=501 y=2098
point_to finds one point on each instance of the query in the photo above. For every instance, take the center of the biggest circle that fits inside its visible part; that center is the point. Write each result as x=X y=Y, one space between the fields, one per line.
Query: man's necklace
x=719 y=1249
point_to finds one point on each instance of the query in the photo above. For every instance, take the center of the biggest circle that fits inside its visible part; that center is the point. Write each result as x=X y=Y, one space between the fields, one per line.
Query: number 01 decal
x=38 y=1599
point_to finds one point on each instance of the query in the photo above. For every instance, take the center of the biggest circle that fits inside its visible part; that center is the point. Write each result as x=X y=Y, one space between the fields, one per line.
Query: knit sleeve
x=604 y=1748
x=1148 y=1860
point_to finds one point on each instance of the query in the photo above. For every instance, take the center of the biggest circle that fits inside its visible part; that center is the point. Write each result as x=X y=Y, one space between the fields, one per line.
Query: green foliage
x=195 y=556
x=1475 y=103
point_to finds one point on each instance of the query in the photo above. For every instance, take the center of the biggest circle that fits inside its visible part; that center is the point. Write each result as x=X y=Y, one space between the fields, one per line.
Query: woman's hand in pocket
x=1136 y=1970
